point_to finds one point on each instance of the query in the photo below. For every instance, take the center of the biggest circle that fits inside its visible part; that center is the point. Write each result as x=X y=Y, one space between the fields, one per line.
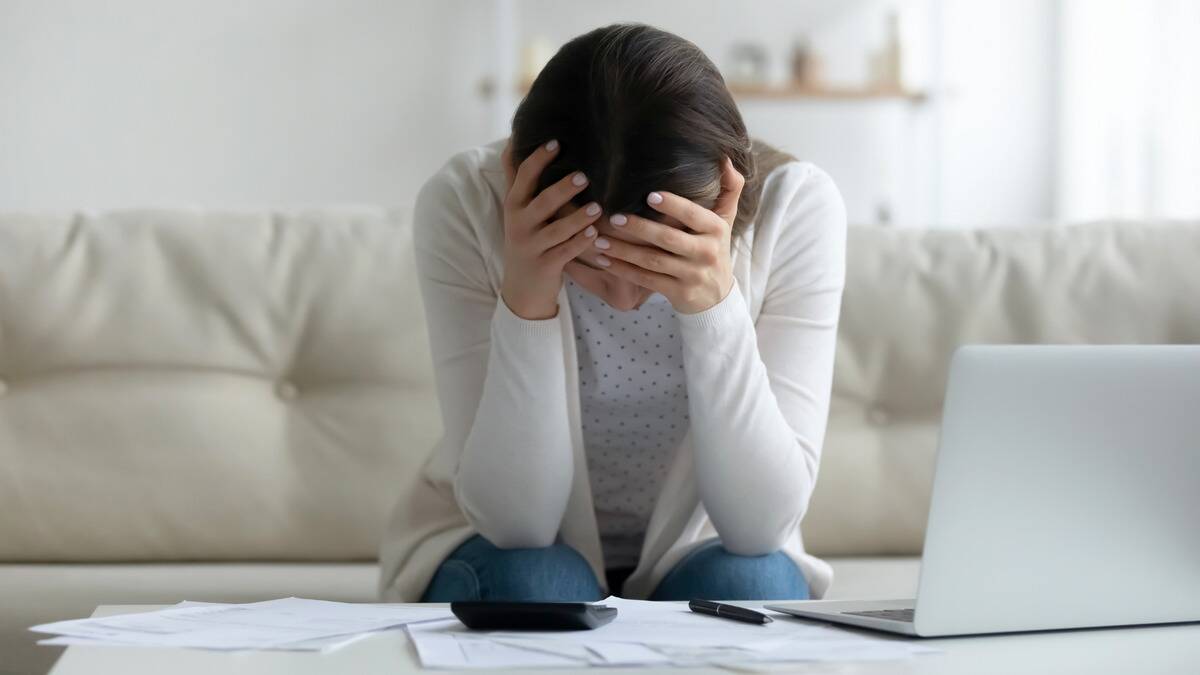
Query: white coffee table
x=1147 y=650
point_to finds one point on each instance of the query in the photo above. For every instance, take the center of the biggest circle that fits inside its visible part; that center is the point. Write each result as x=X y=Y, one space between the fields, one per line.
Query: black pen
x=728 y=611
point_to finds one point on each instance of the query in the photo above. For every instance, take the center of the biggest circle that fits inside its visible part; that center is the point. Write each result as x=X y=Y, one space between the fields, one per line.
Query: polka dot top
x=634 y=411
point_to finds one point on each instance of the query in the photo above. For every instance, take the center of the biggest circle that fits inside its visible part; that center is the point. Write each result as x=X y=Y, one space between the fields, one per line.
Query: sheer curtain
x=1129 y=122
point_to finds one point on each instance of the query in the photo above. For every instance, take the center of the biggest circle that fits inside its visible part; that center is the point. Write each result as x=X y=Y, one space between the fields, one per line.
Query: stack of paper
x=651 y=633
x=290 y=623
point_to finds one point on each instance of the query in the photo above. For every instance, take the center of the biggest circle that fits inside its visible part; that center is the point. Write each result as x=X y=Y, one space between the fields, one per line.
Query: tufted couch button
x=878 y=416
x=286 y=390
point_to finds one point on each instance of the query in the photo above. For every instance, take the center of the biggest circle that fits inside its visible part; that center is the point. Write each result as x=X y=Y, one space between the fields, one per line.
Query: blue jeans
x=478 y=570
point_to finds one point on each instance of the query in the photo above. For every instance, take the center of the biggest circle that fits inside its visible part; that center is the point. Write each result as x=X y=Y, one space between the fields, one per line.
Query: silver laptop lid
x=1067 y=490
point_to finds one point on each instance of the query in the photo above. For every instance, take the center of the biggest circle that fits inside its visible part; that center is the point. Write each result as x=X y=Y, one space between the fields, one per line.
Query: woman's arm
x=500 y=378
x=759 y=392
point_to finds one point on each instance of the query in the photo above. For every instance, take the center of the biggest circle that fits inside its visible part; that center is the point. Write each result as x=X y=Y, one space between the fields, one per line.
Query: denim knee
x=478 y=570
x=712 y=573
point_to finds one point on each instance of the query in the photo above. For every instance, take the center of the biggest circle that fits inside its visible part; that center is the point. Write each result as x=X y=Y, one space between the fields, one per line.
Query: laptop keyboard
x=889 y=614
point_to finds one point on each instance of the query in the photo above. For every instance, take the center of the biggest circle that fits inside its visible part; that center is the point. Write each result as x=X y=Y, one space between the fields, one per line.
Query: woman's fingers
x=645 y=257
x=526 y=178
x=588 y=258
x=570 y=249
x=655 y=281
x=663 y=236
x=696 y=217
x=562 y=229
x=545 y=205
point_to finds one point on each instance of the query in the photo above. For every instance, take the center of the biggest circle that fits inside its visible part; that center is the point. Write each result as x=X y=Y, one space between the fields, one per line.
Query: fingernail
x=590 y=231
x=592 y=209
x=602 y=261
x=602 y=243
x=579 y=178
x=654 y=198
x=551 y=146
x=618 y=219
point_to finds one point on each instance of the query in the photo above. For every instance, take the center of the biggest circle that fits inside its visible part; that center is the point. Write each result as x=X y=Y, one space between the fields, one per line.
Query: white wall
x=998 y=116
x=228 y=102
x=285 y=102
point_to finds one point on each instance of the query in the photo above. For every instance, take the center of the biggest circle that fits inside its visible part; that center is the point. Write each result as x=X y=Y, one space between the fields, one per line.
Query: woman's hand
x=692 y=269
x=536 y=244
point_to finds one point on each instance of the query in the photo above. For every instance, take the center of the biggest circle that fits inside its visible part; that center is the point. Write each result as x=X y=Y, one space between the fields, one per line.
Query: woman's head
x=636 y=109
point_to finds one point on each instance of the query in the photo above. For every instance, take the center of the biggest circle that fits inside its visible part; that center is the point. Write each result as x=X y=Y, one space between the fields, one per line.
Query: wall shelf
x=805 y=92
x=825 y=93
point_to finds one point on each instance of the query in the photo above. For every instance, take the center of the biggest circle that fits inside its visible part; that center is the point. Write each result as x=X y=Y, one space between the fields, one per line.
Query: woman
x=632 y=312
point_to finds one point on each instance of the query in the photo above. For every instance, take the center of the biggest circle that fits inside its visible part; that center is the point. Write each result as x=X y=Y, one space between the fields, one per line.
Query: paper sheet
x=289 y=623
x=649 y=633
x=674 y=625
x=324 y=645
x=450 y=649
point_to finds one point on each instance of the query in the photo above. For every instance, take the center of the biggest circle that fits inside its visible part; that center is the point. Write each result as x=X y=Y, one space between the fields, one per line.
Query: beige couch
x=225 y=405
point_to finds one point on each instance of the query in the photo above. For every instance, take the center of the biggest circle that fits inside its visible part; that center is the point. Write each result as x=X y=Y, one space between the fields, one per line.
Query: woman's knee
x=556 y=573
x=713 y=573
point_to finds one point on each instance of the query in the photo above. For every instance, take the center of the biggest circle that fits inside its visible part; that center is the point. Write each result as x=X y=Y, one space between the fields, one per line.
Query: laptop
x=1066 y=495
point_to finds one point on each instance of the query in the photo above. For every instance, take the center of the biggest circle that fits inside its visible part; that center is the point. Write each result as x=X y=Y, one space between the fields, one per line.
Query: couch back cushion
x=913 y=296
x=254 y=385
x=208 y=385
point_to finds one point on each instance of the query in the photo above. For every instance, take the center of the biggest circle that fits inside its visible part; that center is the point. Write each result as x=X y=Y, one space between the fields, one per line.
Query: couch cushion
x=207 y=385
x=202 y=385
x=912 y=296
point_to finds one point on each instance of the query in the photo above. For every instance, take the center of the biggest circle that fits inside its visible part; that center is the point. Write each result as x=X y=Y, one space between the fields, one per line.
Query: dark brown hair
x=640 y=109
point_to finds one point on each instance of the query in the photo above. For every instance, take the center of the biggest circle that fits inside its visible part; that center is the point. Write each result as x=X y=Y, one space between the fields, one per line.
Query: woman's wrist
x=719 y=315
x=507 y=319
x=531 y=311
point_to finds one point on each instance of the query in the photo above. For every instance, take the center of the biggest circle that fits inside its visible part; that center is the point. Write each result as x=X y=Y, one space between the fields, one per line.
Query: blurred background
x=954 y=113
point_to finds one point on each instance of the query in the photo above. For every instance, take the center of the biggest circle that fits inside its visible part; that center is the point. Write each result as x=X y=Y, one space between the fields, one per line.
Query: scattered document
x=325 y=645
x=643 y=634
x=289 y=623
x=651 y=633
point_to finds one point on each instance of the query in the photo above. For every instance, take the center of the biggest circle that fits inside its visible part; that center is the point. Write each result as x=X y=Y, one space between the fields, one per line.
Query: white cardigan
x=759 y=366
